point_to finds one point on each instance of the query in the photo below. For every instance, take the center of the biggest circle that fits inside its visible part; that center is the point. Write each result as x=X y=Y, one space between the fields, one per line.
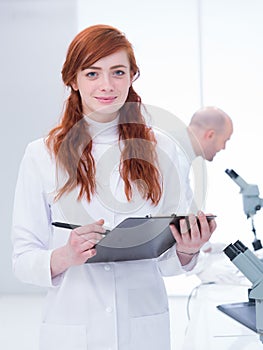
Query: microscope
x=248 y=313
x=251 y=202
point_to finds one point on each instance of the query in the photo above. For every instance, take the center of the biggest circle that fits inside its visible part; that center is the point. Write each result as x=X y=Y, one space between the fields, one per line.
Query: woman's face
x=104 y=86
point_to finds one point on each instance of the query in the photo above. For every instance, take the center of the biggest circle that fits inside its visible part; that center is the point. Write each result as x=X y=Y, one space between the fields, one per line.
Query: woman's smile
x=106 y=99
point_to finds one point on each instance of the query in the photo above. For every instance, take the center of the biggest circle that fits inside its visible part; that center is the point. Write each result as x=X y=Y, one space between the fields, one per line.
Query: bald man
x=207 y=134
x=209 y=130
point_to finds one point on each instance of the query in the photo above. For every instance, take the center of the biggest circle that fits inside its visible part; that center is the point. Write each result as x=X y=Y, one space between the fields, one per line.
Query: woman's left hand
x=190 y=238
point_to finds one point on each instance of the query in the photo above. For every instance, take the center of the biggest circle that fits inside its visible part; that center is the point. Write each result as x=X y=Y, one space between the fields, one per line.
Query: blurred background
x=191 y=54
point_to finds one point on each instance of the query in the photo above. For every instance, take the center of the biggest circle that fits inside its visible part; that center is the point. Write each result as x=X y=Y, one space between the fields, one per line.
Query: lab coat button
x=109 y=309
x=107 y=267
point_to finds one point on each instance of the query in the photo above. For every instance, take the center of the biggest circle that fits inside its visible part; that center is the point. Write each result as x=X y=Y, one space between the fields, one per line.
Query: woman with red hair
x=101 y=164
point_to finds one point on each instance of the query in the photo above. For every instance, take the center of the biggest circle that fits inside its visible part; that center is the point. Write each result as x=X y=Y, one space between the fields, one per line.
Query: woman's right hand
x=79 y=248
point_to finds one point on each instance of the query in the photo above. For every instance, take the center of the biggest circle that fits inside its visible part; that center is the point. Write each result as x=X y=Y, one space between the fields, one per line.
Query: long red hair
x=68 y=140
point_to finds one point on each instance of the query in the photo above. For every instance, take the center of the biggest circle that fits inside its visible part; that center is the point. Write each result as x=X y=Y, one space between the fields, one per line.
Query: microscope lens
x=231 y=251
x=239 y=245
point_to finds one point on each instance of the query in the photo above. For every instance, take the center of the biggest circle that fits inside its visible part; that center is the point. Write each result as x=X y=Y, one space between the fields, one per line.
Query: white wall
x=34 y=36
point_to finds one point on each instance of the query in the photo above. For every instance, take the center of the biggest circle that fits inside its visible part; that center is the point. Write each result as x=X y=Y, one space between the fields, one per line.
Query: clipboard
x=137 y=238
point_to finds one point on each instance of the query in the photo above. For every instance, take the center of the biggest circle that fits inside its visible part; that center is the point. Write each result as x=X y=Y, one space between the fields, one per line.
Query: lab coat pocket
x=147 y=301
x=66 y=337
x=150 y=332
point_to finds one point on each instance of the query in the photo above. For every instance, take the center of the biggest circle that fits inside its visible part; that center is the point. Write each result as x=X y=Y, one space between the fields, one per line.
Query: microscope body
x=251 y=201
x=252 y=267
x=256 y=293
x=250 y=193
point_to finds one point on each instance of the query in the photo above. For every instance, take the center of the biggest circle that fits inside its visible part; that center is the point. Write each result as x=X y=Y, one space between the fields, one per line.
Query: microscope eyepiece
x=231 y=251
x=231 y=173
x=240 y=246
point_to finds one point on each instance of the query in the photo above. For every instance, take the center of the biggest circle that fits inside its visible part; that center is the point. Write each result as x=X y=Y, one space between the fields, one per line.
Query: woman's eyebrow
x=113 y=67
x=119 y=66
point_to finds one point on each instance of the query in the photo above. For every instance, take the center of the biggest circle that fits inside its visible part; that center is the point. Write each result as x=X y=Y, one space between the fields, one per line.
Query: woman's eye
x=91 y=74
x=119 y=73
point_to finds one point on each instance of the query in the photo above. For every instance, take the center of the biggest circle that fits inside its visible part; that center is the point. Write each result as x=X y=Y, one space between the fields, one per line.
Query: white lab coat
x=192 y=170
x=120 y=306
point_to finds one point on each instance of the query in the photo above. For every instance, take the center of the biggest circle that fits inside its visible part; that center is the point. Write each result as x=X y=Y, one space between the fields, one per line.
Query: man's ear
x=209 y=134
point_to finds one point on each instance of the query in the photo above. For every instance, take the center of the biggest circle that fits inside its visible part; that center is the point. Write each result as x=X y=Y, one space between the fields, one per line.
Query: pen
x=69 y=226
x=65 y=225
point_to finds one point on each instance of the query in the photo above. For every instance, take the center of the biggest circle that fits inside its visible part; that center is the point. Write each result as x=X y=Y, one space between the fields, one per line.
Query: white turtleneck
x=103 y=133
